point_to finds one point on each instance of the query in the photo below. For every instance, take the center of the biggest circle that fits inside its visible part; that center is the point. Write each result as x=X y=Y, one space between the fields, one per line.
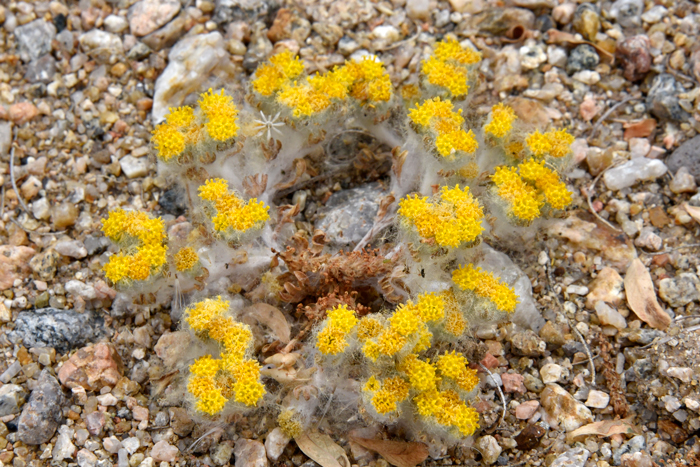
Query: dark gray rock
x=662 y=99
x=96 y=245
x=687 y=155
x=138 y=51
x=680 y=290
x=250 y=11
x=41 y=70
x=42 y=413
x=34 y=39
x=63 y=330
x=583 y=57
x=349 y=214
x=174 y=201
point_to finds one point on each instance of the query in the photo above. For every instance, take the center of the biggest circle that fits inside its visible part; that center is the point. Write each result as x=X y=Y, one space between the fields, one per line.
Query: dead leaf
x=606 y=428
x=271 y=317
x=694 y=211
x=641 y=296
x=398 y=453
x=639 y=129
x=322 y=449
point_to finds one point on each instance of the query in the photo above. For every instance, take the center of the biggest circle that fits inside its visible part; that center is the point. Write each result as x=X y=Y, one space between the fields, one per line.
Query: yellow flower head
x=205 y=366
x=249 y=392
x=425 y=338
x=221 y=115
x=234 y=336
x=371 y=350
x=451 y=364
x=422 y=375
x=232 y=214
x=451 y=142
x=466 y=420
x=438 y=110
x=390 y=342
x=288 y=63
x=485 y=285
x=383 y=402
x=342 y=318
x=211 y=402
x=502 y=118
x=560 y=141
x=303 y=100
x=455 y=323
x=199 y=316
x=431 y=307
x=467 y=380
x=117 y=268
x=405 y=320
x=372 y=385
x=368 y=328
x=446 y=75
x=397 y=387
x=449 y=49
x=523 y=201
x=539 y=144
x=180 y=117
x=185 y=259
x=289 y=423
x=168 y=141
x=331 y=340
x=428 y=403
x=246 y=370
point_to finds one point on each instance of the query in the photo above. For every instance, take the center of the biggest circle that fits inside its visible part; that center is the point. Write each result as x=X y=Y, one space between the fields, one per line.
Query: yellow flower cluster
x=289 y=422
x=220 y=114
x=453 y=219
x=182 y=128
x=445 y=126
x=485 y=285
x=185 y=259
x=331 y=340
x=393 y=344
x=501 y=121
x=555 y=143
x=385 y=395
x=232 y=213
x=524 y=200
x=213 y=382
x=365 y=81
x=142 y=242
x=449 y=67
x=272 y=76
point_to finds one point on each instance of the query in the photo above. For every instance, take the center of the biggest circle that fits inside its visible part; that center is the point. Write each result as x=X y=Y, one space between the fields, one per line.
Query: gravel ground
x=79 y=94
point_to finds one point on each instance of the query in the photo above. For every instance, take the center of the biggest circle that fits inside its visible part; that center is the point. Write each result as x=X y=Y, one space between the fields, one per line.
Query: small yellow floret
x=211 y=403
x=397 y=387
x=424 y=339
x=455 y=323
x=180 y=117
x=368 y=328
x=446 y=75
x=405 y=320
x=502 y=118
x=115 y=224
x=200 y=315
x=451 y=364
x=467 y=380
x=341 y=317
x=289 y=423
x=451 y=49
x=331 y=340
x=289 y=64
x=185 y=259
x=422 y=375
x=247 y=370
x=303 y=100
x=168 y=141
x=538 y=143
x=459 y=140
x=118 y=267
x=383 y=402
x=428 y=403
x=390 y=342
x=206 y=366
x=431 y=306
x=249 y=392
x=372 y=385
x=561 y=141
x=467 y=420
x=371 y=350
x=485 y=285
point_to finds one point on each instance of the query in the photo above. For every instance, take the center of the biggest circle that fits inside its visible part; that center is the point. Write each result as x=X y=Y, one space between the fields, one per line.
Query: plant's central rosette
x=388 y=333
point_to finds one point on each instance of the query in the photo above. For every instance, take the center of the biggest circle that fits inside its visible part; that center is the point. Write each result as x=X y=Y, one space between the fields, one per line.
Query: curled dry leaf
x=694 y=211
x=322 y=449
x=641 y=296
x=271 y=317
x=606 y=428
x=398 y=453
